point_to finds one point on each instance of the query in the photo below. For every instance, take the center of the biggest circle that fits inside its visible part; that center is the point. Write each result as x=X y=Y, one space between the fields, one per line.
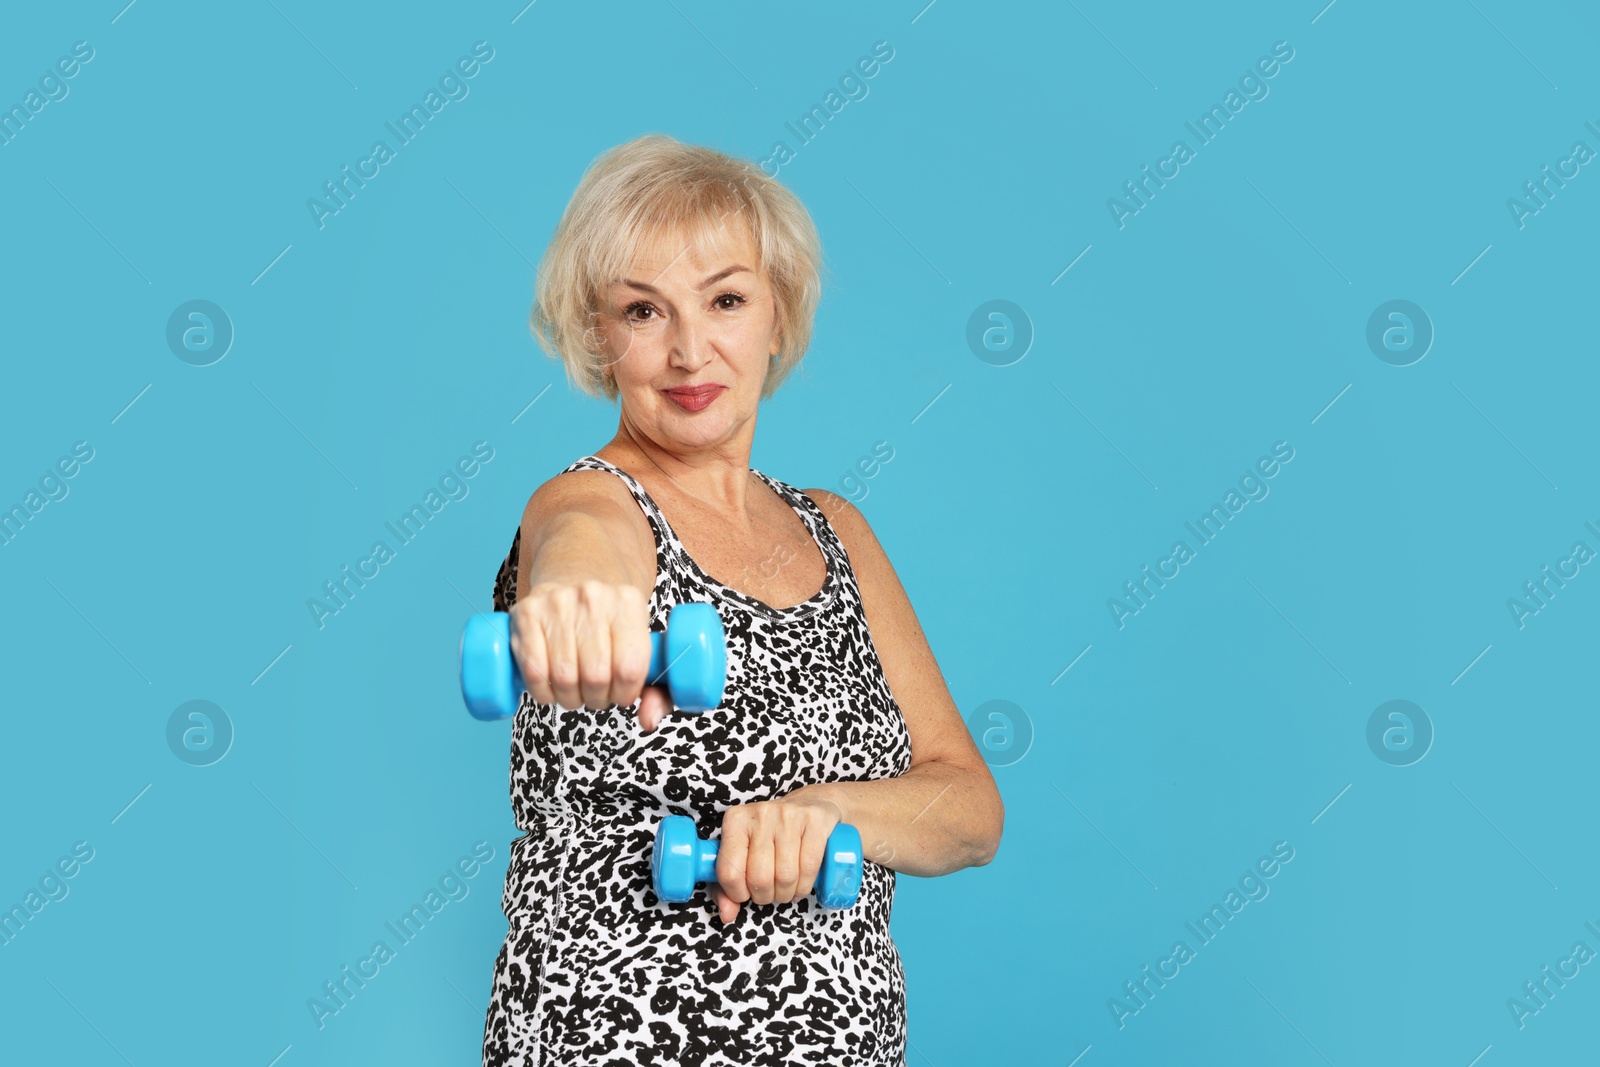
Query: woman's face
x=684 y=318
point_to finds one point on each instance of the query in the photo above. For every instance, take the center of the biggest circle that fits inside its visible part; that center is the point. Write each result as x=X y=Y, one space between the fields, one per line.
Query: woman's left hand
x=771 y=850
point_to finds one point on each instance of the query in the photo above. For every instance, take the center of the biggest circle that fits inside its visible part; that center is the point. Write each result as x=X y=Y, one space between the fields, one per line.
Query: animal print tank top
x=595 y=968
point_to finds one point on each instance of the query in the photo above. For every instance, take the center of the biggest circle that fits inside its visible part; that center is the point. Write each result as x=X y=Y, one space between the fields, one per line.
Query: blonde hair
x=633 y=194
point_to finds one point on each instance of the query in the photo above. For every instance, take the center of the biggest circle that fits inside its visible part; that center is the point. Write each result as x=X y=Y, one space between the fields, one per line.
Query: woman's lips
x=696 y=398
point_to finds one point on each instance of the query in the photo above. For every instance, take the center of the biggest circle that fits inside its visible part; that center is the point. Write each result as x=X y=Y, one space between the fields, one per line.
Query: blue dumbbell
x=690 y=657
x=682 y=860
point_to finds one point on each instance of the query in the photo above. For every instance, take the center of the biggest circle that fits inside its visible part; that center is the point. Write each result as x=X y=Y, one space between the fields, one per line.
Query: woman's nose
x=691 y=345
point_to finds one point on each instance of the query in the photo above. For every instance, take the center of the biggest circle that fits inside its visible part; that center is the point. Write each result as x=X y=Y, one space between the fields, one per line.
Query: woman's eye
x=629 y=313
x=729 y=296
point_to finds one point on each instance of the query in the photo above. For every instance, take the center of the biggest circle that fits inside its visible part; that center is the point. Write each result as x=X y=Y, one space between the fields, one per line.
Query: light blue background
x=1225 y=316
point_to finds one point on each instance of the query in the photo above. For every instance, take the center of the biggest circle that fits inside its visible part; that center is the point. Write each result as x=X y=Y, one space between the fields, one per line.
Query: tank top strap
x=814 y=517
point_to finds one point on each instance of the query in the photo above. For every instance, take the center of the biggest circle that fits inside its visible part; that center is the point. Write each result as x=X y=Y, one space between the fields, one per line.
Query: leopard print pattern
x=597 y=970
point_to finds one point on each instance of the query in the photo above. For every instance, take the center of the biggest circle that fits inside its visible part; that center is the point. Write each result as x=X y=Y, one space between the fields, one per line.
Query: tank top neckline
x=674 y=545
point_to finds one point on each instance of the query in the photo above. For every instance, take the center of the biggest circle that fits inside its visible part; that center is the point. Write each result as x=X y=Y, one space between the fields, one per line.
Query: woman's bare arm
x=945 y=813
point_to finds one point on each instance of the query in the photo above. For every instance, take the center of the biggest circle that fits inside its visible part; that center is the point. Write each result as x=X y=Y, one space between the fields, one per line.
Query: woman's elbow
x=988 y=842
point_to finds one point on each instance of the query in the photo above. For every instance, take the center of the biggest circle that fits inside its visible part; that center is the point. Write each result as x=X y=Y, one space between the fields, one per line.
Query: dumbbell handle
x=690 y=657
x=704 y=859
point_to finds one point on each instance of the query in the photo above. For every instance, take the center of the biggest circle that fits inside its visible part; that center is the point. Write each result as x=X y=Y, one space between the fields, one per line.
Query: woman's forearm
x=573 y=533
x=574 y=547
x=936 y=818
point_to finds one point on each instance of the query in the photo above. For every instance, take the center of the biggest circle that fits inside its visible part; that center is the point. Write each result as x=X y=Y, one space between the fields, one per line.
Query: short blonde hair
x=650 y=187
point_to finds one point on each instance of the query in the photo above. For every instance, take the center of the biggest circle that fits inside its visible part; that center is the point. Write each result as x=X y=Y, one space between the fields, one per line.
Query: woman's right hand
x=587 y=644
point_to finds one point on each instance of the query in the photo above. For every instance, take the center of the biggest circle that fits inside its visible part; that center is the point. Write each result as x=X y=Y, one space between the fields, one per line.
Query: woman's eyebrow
x=714 y=279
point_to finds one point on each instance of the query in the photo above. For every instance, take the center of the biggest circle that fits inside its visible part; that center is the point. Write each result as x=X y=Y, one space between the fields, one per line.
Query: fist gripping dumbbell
x=690 y=657
x=682 y=860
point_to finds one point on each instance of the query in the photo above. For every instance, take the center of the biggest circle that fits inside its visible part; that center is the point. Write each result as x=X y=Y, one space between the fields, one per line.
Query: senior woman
x=681 y=283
